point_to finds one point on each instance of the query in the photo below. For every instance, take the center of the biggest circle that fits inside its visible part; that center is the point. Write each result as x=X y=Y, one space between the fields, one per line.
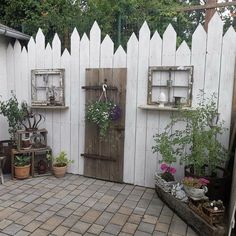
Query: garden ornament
x=162 y=99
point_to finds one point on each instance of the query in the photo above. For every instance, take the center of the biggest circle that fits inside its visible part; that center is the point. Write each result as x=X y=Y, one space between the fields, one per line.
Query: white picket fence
x=212 y=55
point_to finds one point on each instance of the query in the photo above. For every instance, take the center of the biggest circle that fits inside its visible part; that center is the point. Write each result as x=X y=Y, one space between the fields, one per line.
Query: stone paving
x=77 y=205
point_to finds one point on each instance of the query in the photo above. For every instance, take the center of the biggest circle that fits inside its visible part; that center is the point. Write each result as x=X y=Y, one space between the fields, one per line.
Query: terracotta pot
x=59 y=171
x=22 y=172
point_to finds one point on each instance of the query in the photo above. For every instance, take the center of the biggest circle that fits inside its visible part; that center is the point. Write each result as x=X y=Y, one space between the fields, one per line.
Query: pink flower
x=204 y=181
x=172 y=170
x=164 y=167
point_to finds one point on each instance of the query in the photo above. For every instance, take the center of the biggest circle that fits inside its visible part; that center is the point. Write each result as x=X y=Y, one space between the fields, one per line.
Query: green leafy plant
x=197 y=143
x=99 y=113
x=14 y=114
x=21 y=160
x=62 y=160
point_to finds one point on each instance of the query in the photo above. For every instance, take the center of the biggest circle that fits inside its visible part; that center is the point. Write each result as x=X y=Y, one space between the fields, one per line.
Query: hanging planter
x=102 y=113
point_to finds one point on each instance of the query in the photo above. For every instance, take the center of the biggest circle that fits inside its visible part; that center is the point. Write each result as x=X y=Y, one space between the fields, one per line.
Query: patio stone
x=32 y=226
x=95 y=229
x=76 y=205
x=162 y=227
x=12 y=229
x=129 y=228
x=178 y=227
x=52 y=223
x=4 y=223
x=112 y=229
x=60 y=230
x=40 y=232
x=80 y=227
x=119 y=219
x=146 y=227
x=70 y=221
x=22 y=233
x=91 y=216
x=104 y=218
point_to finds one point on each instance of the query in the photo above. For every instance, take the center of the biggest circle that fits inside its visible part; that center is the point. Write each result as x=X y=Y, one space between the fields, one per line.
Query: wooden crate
x=36 y=139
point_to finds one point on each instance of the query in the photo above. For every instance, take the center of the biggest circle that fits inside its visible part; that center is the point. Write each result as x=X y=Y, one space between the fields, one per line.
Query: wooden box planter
x=201 y=226
x=212 y=216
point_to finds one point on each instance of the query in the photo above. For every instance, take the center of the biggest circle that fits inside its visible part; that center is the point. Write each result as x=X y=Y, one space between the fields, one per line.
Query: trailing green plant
x=197 y=143
x=21 y=160
x=62 y=160
x=100 y=113
x=14 y=114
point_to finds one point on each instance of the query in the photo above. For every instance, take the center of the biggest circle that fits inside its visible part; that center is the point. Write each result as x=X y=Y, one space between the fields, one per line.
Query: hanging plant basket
x=102 y=113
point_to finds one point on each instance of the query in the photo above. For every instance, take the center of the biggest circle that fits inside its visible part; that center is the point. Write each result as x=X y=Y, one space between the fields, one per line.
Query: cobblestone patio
x=76 y=205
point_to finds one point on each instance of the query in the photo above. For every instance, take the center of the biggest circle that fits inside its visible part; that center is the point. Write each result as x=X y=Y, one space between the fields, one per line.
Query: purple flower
x=115 y=113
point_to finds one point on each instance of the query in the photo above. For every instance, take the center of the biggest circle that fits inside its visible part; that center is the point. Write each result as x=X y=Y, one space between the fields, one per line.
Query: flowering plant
x=168 y=172
x=195 y=182
x=102 y=113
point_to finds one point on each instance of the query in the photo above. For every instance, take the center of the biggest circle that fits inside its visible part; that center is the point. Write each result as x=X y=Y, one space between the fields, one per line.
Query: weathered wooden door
x=103 y=157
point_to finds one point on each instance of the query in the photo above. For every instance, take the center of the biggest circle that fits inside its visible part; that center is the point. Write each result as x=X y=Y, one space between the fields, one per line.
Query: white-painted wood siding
x=212 y=55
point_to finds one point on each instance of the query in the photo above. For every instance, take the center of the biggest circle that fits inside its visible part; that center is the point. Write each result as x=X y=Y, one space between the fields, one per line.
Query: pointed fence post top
x=17 y=45
x=95 y=30
x=230 y=33
x=48 y=47
x=65 y=53
x=133 y=38
x=39 y=36
x=56 y=39
x=170 y=31
x=75 y=35
x=24 y=51
x=183 y=48
x=144 y=30
x=84 y=38
x=120 y=51
x=156 y=37
x=216 y=20
x=199 y=32
x=107 y=40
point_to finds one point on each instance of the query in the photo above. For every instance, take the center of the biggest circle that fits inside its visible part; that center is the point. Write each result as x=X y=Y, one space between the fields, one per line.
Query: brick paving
x=76 y=205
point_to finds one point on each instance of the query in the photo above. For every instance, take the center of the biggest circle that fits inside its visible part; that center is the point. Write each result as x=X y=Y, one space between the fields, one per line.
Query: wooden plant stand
x=201 y=226
x=33 y=153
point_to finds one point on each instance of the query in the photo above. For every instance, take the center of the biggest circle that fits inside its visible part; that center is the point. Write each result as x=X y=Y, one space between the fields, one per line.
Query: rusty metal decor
x=47 y=87
x=175 y=82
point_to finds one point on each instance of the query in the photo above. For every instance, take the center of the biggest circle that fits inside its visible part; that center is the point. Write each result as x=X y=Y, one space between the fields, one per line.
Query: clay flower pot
x=59 y=172
x=22 y=172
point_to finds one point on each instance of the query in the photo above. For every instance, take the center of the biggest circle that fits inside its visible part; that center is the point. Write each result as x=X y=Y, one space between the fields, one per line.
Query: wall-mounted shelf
x=50 y=107
x=166 y=108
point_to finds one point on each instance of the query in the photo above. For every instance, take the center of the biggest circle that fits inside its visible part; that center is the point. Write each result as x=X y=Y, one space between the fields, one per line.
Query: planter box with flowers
x=165 y=180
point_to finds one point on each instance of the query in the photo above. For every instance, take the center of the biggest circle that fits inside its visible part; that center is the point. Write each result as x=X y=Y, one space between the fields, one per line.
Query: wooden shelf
x=50 y=107
x=166 y=108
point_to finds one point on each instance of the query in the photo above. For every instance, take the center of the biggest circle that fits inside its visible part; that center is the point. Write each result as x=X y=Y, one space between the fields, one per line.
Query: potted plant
x=22 y=166
x=197 y=143
x=165 y=146
x=102 y=113
x=195 y=188
x=60 y=164
x=14 y=114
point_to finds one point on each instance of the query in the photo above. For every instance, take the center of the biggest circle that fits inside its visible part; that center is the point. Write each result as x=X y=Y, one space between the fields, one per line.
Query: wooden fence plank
x=48 y=114
x=17 y=70
x=74 y=99
x=227 y=81
x=24 y=75
x=84 y=63
x=152 y=164
x=94 y=46
x=131 y=109
x=198 y=60
x=141 y=125
x=214 y=44
x=107 y=51
x=10 y=70
x=65 y=114
x=183 y=55
x=56 y=129
x=119 y=60
x=168 y=59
